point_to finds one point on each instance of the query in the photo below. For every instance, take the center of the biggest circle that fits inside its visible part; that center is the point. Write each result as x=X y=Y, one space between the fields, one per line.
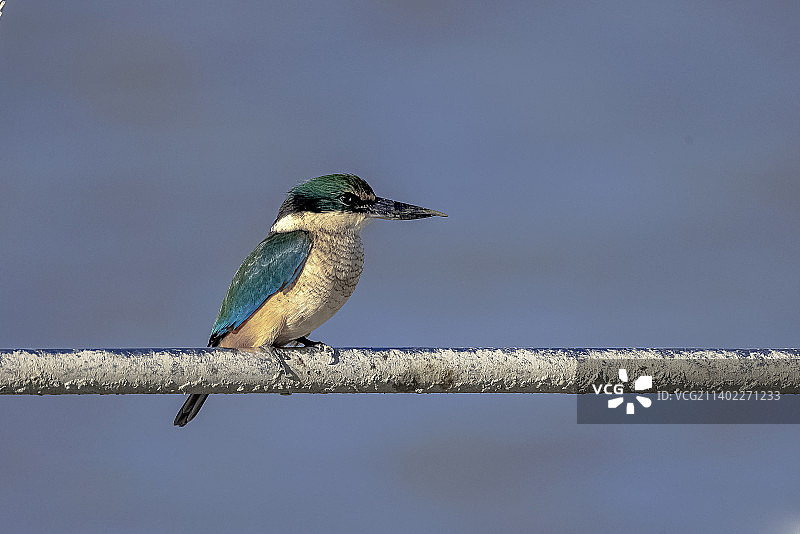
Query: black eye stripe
x=356 y=202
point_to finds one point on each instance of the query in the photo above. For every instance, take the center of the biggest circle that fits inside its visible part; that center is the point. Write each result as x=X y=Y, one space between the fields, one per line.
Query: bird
x=304 y=271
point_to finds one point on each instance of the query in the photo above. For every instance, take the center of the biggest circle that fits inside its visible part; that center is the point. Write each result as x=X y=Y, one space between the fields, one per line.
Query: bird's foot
x=319 y=345
x=308 y=343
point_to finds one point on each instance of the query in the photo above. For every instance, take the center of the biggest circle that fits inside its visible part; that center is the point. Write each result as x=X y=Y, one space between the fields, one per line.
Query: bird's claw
x=308 y=343
x=321 y=346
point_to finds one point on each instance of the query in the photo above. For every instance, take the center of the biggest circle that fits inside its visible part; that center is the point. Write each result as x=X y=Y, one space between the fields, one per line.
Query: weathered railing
x=387 y=370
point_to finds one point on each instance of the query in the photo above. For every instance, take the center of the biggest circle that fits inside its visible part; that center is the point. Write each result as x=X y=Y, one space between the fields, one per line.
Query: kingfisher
x=303 y=271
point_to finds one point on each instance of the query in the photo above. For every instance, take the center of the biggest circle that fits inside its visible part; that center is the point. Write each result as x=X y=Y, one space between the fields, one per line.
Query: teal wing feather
x=274 y=264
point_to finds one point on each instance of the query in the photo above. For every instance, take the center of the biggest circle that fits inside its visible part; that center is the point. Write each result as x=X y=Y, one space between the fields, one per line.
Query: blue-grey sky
x=616 y=174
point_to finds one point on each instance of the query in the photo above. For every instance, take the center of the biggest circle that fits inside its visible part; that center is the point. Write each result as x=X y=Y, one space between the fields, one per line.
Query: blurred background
x=617 y=174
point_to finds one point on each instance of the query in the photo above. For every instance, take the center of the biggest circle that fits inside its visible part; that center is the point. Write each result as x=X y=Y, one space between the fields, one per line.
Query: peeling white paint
x=356 y=370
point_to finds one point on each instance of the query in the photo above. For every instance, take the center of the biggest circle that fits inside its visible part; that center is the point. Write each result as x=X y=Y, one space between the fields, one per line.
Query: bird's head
x=341 y=200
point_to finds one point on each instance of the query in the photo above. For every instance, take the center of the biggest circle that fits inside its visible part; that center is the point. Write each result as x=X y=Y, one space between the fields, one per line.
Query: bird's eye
x=350 y=199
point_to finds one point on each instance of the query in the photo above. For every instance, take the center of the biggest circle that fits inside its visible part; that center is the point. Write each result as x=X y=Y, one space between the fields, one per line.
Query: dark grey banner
x=688 y=391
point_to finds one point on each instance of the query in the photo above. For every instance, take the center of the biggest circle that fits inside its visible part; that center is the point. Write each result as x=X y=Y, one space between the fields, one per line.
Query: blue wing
x=274 y=264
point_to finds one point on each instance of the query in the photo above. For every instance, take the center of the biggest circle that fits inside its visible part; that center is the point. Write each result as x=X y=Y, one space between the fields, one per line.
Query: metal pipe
x=387 y=370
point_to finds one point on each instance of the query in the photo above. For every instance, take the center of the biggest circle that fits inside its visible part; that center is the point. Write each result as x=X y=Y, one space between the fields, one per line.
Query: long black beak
x=398 y=211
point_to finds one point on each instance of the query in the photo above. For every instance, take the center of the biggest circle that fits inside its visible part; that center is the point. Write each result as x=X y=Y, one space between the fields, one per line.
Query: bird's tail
x=190 y=408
